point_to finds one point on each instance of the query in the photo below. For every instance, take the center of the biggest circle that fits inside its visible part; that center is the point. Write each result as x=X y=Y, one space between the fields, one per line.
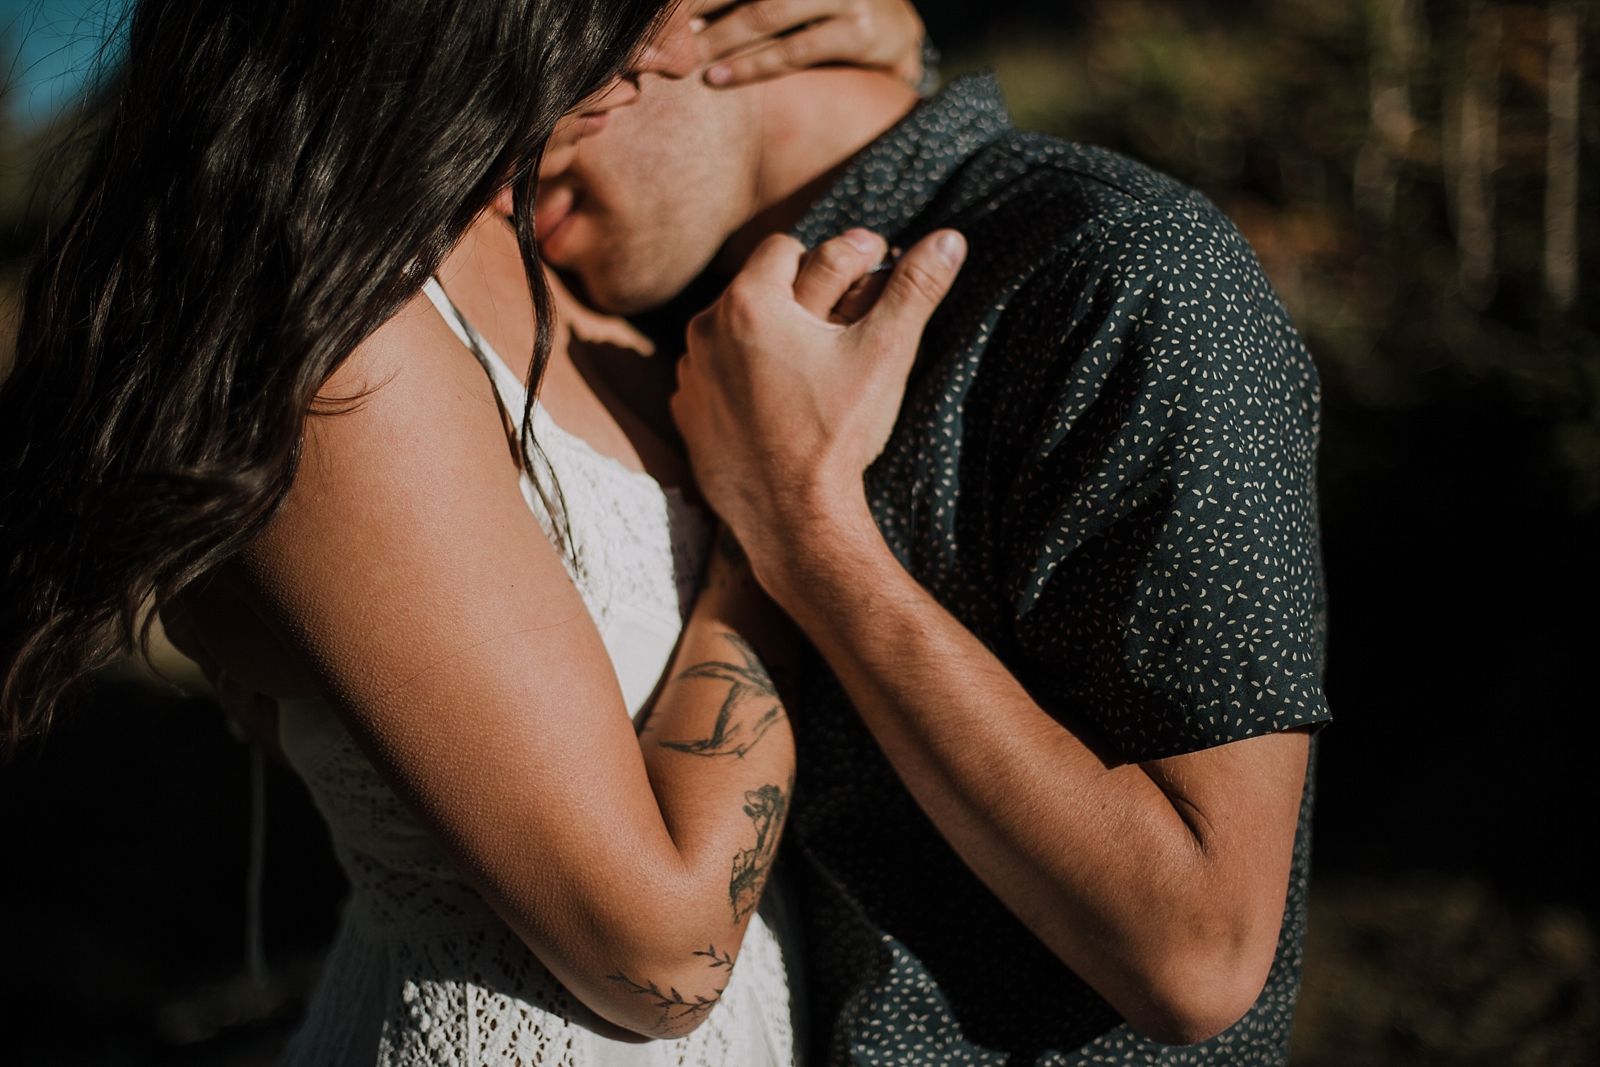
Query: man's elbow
x=1198 y=997
x=1191 y=1019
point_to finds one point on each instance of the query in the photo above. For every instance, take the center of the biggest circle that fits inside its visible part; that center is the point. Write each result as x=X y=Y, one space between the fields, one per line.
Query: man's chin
x=556 y=239
x=613 y=302
x=605 y=275
x=591 y=287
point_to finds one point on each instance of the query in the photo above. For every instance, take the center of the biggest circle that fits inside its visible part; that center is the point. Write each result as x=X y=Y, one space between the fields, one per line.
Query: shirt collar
x=890 y=182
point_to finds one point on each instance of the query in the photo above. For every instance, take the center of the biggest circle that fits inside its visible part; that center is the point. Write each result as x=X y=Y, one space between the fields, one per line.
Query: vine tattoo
x=748 y=683
x=766 y=807
x=675 y=1008
x=718 y=959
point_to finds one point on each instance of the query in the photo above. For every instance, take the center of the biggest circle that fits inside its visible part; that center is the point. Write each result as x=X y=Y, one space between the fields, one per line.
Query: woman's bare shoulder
x=406 y=531
x=411 y=366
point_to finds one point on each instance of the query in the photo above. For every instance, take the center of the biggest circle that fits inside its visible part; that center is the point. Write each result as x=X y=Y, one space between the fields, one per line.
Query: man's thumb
x=920 y=280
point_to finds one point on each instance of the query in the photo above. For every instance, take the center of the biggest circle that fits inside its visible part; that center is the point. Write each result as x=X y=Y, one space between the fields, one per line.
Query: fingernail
x=861 y=240
x=697 y=24
x=951 y=248
x=719 y=75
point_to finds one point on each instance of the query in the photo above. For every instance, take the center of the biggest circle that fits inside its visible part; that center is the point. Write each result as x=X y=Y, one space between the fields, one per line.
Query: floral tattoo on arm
x=767 y=808
x=751 y=708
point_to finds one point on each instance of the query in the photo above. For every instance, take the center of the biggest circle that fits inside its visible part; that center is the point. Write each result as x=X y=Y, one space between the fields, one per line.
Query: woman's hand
x=756 y=40
x=782 y=409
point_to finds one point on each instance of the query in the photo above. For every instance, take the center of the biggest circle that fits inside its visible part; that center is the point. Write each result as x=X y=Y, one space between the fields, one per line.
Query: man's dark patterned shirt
x=1104 y=470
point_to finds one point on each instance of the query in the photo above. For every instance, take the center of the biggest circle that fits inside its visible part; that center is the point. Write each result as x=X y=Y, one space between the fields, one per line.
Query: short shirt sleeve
x=1166 y=564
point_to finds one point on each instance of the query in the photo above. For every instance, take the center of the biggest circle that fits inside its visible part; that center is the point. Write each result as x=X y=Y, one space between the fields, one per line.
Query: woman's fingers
x=741 y=26
x=830 y=270
x=835 y=40
x=825 y=276
x=780 y=410
x=761 y=39
x=706 y=30
x=720 y=31
x=589 y=325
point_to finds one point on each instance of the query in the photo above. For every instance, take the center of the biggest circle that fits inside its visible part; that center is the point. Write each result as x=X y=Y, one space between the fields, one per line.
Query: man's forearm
x=1134 y=893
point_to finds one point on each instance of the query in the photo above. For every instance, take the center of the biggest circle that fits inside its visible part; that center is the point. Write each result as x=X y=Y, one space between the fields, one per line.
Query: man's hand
x=740 y=43
x=810 y=401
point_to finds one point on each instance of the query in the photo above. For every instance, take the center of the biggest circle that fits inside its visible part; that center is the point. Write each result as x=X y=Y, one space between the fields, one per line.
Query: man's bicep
x=1241 y=800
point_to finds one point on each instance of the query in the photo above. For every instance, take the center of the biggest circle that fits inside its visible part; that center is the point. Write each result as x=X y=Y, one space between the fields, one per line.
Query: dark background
x=1462 y=554
x=1453 y=918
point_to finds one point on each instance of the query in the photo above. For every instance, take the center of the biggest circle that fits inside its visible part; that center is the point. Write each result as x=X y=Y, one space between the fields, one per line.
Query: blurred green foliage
x=1332 y=132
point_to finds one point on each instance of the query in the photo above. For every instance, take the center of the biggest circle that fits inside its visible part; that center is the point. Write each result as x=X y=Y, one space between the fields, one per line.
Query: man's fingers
x=831 y=268
x=776 y=261
x=921 y=279
x=859 y=298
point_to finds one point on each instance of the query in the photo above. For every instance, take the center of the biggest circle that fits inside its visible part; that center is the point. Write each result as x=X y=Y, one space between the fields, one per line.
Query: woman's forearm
x=720 y=756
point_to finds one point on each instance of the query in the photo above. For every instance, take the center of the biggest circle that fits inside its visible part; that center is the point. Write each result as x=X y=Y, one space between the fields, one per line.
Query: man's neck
x=814 y=124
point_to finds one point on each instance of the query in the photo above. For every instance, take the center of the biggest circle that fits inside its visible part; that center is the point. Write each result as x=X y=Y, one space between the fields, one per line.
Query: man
x=1067 y=630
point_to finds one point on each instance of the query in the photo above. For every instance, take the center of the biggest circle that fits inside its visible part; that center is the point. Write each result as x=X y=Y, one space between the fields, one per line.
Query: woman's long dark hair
x=275 y=179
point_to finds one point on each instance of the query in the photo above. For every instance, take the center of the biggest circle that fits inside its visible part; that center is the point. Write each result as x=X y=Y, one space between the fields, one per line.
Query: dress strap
x=487 y=358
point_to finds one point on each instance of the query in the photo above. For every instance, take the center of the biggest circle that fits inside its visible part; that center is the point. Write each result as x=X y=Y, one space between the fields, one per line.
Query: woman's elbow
x=655 y=982
x=665 y=1003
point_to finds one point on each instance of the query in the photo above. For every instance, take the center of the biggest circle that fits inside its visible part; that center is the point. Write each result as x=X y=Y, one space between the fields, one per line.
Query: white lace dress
x=422 y=971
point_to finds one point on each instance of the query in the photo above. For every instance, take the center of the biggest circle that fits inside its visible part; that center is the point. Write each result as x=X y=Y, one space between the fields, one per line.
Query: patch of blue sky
x=51 y=50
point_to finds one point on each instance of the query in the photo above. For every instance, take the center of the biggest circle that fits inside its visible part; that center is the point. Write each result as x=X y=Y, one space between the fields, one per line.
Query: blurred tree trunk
x=1398 y=36
x=1561 y=187
x=1475 y=140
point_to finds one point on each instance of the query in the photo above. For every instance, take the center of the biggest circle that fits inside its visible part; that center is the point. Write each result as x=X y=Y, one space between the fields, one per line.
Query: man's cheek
x=557 y=160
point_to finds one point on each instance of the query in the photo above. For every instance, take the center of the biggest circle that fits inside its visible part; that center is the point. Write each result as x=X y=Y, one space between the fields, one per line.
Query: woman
x=241 y=395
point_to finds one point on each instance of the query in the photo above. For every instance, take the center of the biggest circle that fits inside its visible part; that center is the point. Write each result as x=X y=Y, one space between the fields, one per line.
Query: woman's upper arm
x=436 y=615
